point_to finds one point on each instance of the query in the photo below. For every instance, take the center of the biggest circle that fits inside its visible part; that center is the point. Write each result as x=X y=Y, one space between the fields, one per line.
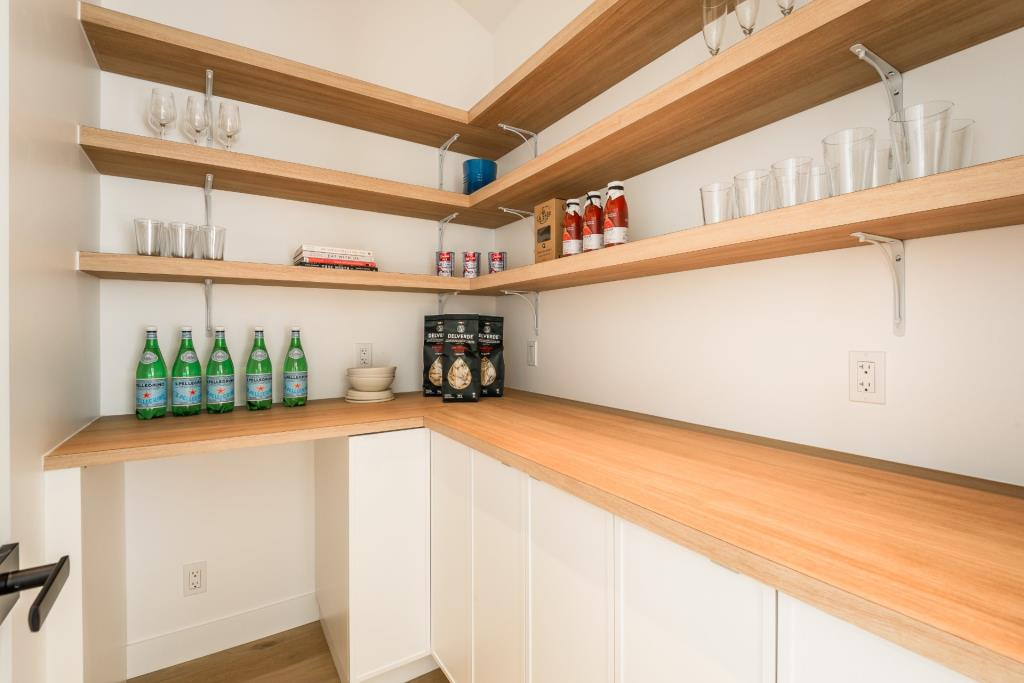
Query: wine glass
x=746 y=15
x=162 y=111
x=196 y=121
x=714 y=14
x=229 y=124
x=785 y=6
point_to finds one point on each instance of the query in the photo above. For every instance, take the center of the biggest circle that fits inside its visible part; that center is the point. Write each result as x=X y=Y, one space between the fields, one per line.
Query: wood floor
x=296 y=656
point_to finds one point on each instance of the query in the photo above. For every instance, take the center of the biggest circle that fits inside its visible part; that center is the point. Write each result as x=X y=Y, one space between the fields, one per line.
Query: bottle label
x=187 y=391
x=570 y=247
x=148 y=358
x=220 y=389
x=592 y=242
x=189 y=357
x=219 y=356
x=259 y=355
x=296 y=354
x=258 y=386
x=616 y=235
x=151 y=393
x=296 y=384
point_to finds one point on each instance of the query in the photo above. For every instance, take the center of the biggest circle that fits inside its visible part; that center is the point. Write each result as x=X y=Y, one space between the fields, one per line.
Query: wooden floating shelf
x=554 y=81
x=985 y=196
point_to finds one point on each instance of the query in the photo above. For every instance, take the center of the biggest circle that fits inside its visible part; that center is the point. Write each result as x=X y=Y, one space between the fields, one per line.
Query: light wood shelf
x=554 y=81
x=155 y=268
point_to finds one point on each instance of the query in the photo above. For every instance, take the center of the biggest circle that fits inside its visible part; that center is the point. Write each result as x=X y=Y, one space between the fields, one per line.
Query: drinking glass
x=920 y=137
x=785 y=6
x=178 y=240
x=716 y=201
x=746 y=15
x=229 y=123
x=850 y=156
x=148 y=237
x=196 y=120
x=209 y=242
x=819 y=183
x=753 y=191
x=714 y=13
x=162 y=111
x=790 y=176
x=961 y=145
x=884 y=166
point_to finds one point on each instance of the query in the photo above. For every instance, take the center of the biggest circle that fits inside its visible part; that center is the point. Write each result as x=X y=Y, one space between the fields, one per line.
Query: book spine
x=311 y=250
x=334 y=266
x=338 y=262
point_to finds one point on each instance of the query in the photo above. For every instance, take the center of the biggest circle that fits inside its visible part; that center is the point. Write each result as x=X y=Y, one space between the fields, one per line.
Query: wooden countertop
x=931 y=561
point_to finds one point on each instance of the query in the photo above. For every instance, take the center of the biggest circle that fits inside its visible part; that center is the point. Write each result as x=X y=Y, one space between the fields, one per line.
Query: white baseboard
x=405 y=672
x=159 y=652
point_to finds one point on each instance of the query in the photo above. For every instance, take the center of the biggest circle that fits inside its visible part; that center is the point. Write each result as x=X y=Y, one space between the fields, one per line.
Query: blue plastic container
x=476 y=173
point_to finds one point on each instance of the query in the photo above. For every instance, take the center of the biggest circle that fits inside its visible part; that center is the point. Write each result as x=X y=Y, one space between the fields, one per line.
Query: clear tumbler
x=960 y=151
x=753 y=191
x=850 y=156
x=716 y=201
x=791 y=176
x=920 y=137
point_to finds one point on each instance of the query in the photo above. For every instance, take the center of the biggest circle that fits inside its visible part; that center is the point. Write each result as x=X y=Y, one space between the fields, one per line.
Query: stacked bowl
x=370 y=385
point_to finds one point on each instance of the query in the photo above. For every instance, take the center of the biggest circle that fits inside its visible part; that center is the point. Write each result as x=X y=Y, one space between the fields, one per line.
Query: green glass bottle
x=220 y=376
x=186 y=378
x=151 y=380
x=259 y=377
x=296 y=373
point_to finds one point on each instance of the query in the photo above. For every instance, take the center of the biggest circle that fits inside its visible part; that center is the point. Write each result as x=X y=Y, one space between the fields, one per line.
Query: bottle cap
x=186 y=328
x=295 y=328
x=218 y=329
x=616 y=185
x=573 y=202
x=258 y=328
x=151 y=328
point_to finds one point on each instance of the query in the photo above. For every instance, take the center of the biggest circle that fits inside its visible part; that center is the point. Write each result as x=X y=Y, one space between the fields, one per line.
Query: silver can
x=496 y=261
x=445 y=263
x=470 y=263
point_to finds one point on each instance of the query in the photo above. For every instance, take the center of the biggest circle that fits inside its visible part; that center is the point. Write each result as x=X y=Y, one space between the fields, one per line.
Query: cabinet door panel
x=815 y=646
x=499 y=572
x=450 y=577
x=388 y=550
x=570 y=588
x=683 y=618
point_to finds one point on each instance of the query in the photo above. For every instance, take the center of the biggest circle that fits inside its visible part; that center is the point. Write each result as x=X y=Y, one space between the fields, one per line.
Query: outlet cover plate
x=867 y=376
x=364 y=355
x=194 y=579
x=531 y=353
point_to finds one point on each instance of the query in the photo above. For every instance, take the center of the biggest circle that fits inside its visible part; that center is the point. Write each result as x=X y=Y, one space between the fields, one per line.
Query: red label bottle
x=593 y=228
x=616 y=215
x=572 y=229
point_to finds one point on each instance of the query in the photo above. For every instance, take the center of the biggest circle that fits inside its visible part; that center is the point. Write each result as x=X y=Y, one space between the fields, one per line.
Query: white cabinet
x=815 y=646
x=499 y=572
x=450 y=556
x=373 y=552
x=571 y=591
x=681 y=617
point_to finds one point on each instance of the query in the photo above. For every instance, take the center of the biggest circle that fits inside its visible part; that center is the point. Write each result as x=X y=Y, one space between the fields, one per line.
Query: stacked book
x=316 y=256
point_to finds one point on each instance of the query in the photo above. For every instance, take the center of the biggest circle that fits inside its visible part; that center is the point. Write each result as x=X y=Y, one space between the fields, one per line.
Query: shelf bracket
x=532 y=298
x=208 y=294
x=526 y=135
x=442 y=301
x=440 y=229
x=209 y=108
x=441 y=151
x=892 y=79
x=894 y=253
x=516 y=212
x=208 y=198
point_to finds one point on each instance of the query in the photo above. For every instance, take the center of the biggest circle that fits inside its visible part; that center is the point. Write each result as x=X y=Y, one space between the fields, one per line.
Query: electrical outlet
x=867 y=376
x=364 y=355
x=531 y=353
x=194 y=578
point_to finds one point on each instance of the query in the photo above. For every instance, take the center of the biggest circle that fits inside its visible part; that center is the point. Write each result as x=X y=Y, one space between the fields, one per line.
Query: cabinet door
x=450 y=572
x=683 y=618
x=570 y=609
x=499 y=572
x=389 y=532
x=815 y=646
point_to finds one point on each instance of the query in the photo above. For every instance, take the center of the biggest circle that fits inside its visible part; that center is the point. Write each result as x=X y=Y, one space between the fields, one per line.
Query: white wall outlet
x=364 y=355
x=867 y=376
x=531 y=353
x=194 y=578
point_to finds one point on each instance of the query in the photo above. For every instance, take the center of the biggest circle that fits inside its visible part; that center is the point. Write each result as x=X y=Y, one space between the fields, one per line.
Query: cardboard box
x=547 y=230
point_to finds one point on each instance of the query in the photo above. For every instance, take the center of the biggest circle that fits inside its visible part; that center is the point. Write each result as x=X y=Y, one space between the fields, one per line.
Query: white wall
x=762 y=347
x=53 y=310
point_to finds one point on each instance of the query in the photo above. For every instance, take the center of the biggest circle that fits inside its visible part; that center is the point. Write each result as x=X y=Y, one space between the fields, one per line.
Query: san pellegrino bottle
x=186 y=378
x=151 y=380
x=220 y=376
x=296 y=373
x=259 y=378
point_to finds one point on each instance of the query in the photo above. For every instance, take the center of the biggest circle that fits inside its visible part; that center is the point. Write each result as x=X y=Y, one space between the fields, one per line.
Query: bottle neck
x=186 y=340
x=257 y=341
x=573 y=209
x=296 y=342
x=614 y=193
x=219 y=342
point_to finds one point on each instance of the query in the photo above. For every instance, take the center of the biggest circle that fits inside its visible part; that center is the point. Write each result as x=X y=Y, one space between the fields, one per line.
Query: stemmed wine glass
x=746 y=15
x=196 y=121
x=162 y=111
x=714 y=14
x=785 y=6
x=229 y=124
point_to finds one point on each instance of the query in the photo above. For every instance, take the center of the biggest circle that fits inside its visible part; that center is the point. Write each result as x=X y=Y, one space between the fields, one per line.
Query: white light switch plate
x=867 y=376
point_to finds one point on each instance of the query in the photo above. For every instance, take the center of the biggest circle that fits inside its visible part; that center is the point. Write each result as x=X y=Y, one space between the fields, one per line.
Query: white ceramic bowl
x=370 y=383
x=368 y=395
x=375 y=372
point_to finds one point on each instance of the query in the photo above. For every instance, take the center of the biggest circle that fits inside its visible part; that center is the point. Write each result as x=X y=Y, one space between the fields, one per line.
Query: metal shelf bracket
x=441 y=151
x=894 y=253
x=532 y=298
x=208 y=295
x=442 y=301
x=208 y=198
x=440 y=229
x=516 y=212
x=892 y=79
x=209 y=108
x=526 y=135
